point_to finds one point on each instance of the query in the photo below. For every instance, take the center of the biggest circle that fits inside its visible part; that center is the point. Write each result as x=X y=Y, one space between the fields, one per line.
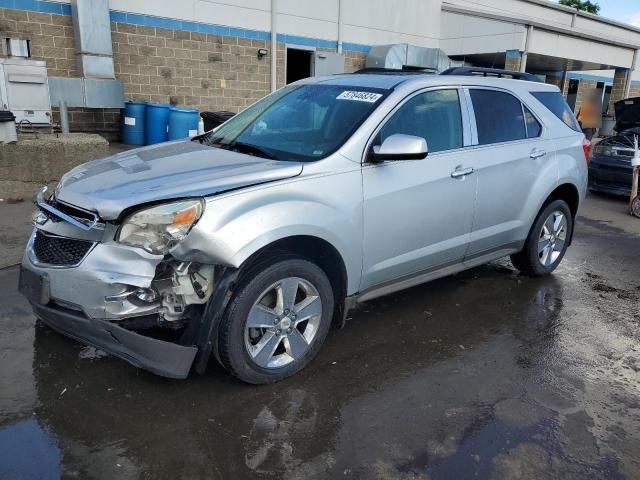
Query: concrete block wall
x=512 y=61
x=618 y=89
x=208 y=72
x=51 y=39
x=585 y=87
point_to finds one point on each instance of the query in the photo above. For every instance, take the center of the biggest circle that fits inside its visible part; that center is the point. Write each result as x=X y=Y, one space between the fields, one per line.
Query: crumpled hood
x=169 y=170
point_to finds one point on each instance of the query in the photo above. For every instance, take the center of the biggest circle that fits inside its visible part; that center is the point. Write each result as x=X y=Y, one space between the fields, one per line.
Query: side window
x=555 y=102
x=534 y=129
x=434 y=116
x=498 y=116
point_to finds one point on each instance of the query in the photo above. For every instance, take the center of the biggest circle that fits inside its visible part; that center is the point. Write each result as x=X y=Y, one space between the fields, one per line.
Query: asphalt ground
x=485 y=374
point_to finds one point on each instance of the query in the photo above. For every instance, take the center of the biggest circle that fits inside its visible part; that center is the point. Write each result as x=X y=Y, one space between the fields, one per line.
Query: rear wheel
x=277 y=321
x=635 y=207
x=547 y=242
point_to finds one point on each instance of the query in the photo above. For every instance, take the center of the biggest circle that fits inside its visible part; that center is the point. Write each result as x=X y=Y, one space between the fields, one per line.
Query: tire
x=258 y=313
x=635 y=207
x=534 y=260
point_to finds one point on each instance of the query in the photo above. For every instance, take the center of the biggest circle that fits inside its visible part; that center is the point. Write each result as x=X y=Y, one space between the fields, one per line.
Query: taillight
x=586 y=148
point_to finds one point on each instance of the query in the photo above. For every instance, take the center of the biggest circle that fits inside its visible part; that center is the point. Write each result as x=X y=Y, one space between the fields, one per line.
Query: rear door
x=418 y=213
x=511 y=153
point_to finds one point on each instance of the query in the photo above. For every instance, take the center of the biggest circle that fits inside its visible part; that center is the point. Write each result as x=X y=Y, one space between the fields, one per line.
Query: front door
x=418 y=213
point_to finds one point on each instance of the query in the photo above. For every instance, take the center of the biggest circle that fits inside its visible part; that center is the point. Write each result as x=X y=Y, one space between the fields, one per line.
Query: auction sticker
x=369 y=97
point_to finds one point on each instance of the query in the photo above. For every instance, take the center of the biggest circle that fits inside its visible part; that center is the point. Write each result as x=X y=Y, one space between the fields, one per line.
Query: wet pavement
x=486 y=374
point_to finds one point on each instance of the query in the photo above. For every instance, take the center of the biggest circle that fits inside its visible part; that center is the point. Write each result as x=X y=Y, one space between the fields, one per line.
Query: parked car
x=246 y=242
x=610 y=169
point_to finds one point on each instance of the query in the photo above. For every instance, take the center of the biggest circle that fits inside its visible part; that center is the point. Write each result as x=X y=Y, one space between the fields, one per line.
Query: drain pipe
x=340 y=21
x=64 y=117
x=274 y=45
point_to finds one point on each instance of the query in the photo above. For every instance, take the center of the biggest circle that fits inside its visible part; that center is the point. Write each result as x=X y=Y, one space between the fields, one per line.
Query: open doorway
x=299 y=64
x=572 y=93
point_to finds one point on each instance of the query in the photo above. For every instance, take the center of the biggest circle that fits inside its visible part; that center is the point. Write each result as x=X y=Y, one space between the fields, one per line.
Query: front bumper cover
x=162 y=358
x=168 y=359
x=609 y=175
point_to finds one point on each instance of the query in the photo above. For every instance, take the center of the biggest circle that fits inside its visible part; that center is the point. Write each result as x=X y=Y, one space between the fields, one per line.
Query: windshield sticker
x=368 y=97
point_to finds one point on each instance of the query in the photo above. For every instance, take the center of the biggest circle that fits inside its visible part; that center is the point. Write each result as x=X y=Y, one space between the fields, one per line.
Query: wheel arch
x=569 y=193
x=314 y=249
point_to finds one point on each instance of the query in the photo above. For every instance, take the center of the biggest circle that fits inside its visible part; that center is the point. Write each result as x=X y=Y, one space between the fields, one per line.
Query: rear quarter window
x=558 y=106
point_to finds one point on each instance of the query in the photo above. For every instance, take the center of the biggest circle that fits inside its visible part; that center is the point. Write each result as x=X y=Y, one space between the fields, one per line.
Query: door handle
x=462 y=172
x=535 y=153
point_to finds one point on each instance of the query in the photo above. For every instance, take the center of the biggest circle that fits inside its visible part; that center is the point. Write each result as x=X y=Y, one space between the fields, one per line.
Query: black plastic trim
x=491 y=72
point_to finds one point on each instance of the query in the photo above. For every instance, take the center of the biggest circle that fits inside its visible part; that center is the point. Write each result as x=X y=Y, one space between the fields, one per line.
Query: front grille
x=59 y=251
x=619 y=169
x=624 y=153
x=77 y=213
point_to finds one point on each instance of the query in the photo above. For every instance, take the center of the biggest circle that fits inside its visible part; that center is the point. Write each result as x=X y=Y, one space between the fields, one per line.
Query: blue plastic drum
x=157 y=123
x=133 y=122
x=183 y=123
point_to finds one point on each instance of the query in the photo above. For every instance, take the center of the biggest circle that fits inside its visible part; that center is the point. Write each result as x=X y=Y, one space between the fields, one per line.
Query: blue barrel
x=157 y=123
x=133 y=119
x=183 y=123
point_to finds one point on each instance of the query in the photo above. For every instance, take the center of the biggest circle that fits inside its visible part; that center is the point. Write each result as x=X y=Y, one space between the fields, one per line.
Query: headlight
x=160 y=228
x=603 y=150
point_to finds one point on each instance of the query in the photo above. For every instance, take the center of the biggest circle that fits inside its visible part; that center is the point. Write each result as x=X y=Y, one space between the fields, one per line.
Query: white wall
x=367 y=22
x=548 y=13
x=467 y=35
x=563 y=46
x=379 y=22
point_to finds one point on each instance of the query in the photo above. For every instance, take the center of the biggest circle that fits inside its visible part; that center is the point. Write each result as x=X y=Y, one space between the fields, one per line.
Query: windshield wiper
x=244 y=148
x=253 y=150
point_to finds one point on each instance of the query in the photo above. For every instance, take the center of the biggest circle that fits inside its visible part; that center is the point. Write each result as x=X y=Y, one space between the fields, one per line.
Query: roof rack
x=392 y=71
x=491 y=72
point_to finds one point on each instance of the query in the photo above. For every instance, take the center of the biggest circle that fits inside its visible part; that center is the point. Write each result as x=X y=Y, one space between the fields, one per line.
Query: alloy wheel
x=552 y=239
x=283 y=323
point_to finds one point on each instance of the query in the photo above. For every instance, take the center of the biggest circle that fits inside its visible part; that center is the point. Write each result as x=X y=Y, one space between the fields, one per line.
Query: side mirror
x=399 y=147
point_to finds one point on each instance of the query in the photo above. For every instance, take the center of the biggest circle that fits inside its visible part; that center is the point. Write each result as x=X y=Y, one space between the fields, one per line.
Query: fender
x=237 y=225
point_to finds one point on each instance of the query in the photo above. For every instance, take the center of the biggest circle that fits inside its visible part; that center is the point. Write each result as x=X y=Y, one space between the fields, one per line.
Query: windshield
x=299 y=123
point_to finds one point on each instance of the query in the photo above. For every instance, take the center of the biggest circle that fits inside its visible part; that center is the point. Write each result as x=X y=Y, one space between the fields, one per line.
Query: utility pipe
x=274 y=45
x=340 y=26
x=64 y=117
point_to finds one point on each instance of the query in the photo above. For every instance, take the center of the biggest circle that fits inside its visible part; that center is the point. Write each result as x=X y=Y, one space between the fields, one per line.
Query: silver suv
x=250 y=240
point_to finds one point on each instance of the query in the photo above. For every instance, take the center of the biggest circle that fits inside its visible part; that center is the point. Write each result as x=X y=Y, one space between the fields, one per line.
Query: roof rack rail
x=393 y=71
x=491 y=72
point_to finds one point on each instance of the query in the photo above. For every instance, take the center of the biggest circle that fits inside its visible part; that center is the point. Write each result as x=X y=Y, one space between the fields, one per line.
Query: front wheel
x=277 y=321
x=547 y=242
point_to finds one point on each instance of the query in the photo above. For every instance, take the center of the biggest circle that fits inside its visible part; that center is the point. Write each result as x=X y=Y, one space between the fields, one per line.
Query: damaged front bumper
x=73 y=302
x=157 y=356
x=94 y=301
